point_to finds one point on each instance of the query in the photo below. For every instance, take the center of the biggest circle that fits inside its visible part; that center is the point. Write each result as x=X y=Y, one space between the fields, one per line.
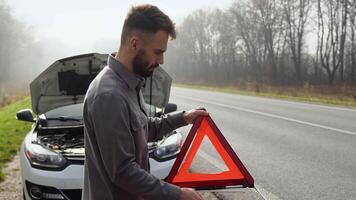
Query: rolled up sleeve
x=109 y=114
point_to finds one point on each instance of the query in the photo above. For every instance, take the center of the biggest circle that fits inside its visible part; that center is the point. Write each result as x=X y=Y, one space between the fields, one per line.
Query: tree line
x=23 y=53
x=20 y=53
x=276 y=42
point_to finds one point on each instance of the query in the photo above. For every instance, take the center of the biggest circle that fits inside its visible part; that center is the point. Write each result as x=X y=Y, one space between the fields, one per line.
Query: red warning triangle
x=236 y=174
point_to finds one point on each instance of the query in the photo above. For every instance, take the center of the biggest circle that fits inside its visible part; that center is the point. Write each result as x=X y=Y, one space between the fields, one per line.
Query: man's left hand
x=191 y=115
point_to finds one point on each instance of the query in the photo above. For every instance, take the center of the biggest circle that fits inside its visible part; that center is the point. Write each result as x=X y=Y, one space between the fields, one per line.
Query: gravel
x=11 y=188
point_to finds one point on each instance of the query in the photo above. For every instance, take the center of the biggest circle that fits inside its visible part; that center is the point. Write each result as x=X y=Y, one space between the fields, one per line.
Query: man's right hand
x=190 y=194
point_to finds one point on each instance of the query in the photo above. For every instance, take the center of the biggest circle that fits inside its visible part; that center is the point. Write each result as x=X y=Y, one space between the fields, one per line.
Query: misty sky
x=86 y=25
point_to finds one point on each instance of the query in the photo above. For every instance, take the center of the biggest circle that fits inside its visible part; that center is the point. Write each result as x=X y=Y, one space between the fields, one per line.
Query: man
x=116 y=125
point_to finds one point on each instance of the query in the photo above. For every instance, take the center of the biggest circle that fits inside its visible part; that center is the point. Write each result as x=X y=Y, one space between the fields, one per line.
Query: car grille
x=75 y=160
x=73 y=194
x=40 y=192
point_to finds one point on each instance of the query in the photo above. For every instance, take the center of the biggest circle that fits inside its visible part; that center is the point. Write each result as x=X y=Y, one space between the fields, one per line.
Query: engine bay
x=68 y=141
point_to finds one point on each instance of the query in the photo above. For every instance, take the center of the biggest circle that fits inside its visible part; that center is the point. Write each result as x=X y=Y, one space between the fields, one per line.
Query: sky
x=87 y=25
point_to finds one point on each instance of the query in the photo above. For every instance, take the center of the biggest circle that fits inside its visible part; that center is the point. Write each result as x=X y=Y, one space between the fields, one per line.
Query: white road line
x=313 y=104
x=264 y=193
x=317 y=105
x=270 y=115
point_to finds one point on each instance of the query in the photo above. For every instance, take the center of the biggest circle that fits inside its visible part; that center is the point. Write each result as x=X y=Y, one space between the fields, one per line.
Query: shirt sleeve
x=109 y=114
x=160 y=126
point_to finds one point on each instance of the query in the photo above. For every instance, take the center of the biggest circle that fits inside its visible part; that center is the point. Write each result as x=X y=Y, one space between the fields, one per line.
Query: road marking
x=271 y=115
x=283 y=100
x=264 y=193
x=317 y=105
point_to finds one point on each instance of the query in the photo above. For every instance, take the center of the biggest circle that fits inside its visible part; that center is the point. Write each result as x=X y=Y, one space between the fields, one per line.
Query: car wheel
x=23 y=194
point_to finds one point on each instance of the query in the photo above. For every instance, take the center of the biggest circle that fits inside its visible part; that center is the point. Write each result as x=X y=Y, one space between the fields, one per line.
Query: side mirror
x=25 y=115
x=170 y=107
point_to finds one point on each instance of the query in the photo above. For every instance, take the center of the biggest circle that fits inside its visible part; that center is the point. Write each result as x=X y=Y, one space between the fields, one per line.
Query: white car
x=52 y=153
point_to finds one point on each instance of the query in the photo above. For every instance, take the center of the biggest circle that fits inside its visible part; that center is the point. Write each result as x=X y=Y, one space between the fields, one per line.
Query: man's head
x=144 y=37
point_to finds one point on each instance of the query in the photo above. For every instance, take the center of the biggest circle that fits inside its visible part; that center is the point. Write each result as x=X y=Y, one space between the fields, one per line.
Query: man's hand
x=191 y=115
x=190 y=194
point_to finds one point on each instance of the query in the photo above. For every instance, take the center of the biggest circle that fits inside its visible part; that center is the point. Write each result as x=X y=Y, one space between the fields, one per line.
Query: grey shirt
x=116 y=132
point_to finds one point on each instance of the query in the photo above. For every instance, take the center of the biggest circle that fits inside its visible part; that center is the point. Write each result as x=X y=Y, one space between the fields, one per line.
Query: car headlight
x=169 y=147
x=40 y=157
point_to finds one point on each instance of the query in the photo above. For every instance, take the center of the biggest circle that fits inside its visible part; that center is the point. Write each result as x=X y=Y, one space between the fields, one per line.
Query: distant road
x=293 y=150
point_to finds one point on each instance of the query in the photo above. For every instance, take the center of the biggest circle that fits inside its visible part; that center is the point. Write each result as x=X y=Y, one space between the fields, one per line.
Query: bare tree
x=5 y=36
x=264 y=41
x=296 y=15
x=344 y=15
x=247 y=23
x=329 y=33
x=352 y=20
x=271 y=24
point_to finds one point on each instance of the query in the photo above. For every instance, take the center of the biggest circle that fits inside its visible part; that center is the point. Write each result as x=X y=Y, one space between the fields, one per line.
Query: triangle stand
x=180 y=174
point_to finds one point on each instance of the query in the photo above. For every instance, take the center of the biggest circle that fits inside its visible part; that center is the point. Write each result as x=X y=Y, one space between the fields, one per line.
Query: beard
x=141 y=65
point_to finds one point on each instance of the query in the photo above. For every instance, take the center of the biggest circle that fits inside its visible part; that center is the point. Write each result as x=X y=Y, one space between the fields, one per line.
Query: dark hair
x=147 y=19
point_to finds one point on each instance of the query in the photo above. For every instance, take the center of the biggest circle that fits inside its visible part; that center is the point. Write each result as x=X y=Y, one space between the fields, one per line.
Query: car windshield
x=73 y=111
x=65 y=115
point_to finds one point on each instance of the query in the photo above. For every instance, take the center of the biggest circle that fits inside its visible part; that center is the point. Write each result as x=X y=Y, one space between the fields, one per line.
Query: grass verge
x=12 y=131
x=334 y=96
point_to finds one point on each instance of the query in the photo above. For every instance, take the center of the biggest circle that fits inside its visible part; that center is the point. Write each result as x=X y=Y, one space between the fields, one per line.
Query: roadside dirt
x=11 y=188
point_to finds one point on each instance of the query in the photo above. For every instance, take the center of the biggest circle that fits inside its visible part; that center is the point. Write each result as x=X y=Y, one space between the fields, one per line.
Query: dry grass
x=7 y=100
x=12 y=93
x=342 y=95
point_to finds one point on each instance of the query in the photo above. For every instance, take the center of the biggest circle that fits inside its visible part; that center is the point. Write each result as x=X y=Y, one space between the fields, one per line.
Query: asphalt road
x=293 y=150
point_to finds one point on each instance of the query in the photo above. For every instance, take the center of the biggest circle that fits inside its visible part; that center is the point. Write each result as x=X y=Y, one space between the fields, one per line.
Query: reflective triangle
x=236 y=174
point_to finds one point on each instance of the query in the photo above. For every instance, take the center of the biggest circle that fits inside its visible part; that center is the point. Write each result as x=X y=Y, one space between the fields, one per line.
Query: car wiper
x=63 y=119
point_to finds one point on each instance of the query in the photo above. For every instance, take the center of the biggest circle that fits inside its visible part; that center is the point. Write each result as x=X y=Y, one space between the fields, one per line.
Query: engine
x=67 y=141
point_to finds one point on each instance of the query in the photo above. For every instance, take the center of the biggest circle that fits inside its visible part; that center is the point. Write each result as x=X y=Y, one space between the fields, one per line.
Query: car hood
x=157 y=88
x=66 y=81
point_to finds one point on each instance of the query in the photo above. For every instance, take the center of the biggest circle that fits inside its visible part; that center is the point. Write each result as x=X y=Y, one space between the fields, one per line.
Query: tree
x=352 y=19
x=247 y=24
x=264 y=41
x=330 y=30
x=295 y=16
x=19 y=53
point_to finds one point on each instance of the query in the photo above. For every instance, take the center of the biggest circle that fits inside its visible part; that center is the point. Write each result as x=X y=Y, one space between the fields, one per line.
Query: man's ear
x=134 y=43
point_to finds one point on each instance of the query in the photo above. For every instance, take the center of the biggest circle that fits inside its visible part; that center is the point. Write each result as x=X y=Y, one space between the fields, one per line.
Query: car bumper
x=52 y=184
x=69 y=182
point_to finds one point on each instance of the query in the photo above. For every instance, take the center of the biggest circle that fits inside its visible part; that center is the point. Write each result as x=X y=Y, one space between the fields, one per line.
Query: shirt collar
x=135 y=82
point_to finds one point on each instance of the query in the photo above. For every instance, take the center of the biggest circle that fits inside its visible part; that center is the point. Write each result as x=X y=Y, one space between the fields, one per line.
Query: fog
x=224 y=43
x=35 y=33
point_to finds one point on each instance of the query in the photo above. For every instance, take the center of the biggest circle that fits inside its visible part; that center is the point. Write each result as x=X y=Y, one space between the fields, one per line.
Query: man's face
x=150 y=56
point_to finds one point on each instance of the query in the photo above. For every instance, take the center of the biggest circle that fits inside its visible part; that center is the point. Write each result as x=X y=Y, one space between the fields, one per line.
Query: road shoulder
x=11 y=187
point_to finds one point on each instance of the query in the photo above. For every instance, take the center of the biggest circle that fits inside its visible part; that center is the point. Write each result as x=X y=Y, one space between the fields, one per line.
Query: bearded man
x=116 y=126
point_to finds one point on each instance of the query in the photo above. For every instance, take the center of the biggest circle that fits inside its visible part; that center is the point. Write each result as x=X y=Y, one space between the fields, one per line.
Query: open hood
x=66 y=81
x=157 y=88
